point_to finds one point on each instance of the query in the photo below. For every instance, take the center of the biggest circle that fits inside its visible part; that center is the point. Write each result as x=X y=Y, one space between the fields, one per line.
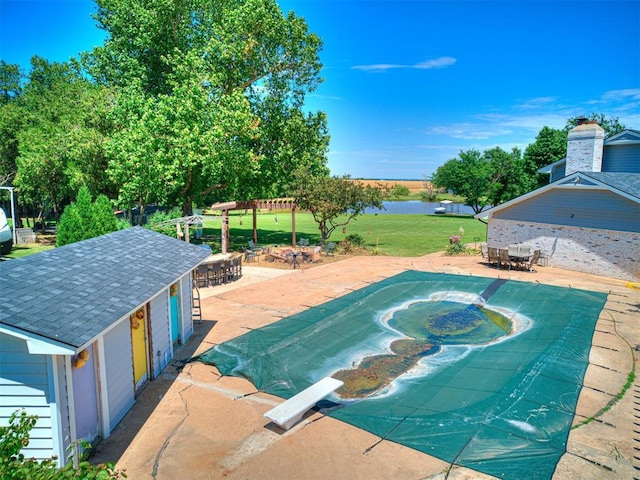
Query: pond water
x=419 y=207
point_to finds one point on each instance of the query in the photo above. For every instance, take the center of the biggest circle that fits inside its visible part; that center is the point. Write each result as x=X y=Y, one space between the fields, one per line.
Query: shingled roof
x=70 y=295
x=628 y=183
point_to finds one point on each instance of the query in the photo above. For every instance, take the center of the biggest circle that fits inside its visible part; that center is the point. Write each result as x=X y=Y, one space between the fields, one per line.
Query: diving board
x=287 y=414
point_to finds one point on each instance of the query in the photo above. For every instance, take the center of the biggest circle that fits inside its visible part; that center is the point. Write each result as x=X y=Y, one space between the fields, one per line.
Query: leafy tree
x=60 y=143
x=549 y=146
x=11 y=122
x=334 y=201
x=16 y=466
x=509 y=175
x=471 y=176
x=10 y=81
x=209 y=99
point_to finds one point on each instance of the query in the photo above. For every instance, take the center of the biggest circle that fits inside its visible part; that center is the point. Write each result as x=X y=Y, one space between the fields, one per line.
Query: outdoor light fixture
x=81 y=360
x=135 y=319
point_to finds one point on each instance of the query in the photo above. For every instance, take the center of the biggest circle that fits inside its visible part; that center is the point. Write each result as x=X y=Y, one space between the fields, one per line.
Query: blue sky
x=408 y=84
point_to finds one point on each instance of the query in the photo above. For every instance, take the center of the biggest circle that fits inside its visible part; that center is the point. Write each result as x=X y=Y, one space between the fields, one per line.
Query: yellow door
x=139 y=344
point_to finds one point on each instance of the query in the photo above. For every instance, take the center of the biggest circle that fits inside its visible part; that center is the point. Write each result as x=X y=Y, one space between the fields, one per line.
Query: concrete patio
x=192 y=423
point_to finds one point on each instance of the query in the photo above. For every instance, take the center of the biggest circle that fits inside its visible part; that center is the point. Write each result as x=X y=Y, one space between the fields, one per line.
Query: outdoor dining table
x=520 y=259
x=219 y=269
x=216 y=258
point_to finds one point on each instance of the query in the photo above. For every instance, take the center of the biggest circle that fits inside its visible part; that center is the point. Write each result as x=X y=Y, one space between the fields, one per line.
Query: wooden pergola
x=254 y=205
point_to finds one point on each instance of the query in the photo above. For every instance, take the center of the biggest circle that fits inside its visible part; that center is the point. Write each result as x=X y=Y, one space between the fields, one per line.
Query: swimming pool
x=498 y=397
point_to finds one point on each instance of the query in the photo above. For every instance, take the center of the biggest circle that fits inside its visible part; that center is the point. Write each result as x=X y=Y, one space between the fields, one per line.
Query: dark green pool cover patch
x=488 y=374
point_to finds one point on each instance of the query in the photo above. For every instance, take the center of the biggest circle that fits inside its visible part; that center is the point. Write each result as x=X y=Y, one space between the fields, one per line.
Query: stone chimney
x=584 y=148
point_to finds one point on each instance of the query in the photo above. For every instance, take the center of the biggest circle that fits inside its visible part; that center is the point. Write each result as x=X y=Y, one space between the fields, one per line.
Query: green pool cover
x=478 y=372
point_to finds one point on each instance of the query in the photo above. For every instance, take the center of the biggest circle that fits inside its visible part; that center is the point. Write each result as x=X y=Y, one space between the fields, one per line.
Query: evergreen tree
x=103 y=220
x=85 y=219
x=70 y=228
x=84 y=205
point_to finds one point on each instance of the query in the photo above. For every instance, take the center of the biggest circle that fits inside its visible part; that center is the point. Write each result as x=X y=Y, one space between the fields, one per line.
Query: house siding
x=579 y=207
x=186 y=301
x=25 y=382
x=160 y=347
x=557 y=173
x=621 y=158
x=119 y=372
x=599 y=252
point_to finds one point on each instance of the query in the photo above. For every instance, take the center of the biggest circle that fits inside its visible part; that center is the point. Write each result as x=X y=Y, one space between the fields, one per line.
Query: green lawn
x=23 y=250
x=400 y=235
x=397 y=235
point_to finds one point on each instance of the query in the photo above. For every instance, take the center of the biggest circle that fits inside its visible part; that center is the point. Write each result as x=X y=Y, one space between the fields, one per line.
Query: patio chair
x=504 y=260
x=303 y=243
x=236 y=265
x=329 y=249
x=250 y=256
x=254 y=248
x=533 y=260
x=493 y=256
x=215 y=273
x=202 y=276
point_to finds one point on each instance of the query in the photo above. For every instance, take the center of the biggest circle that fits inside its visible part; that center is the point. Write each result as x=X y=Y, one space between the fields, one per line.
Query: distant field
x=413 y=185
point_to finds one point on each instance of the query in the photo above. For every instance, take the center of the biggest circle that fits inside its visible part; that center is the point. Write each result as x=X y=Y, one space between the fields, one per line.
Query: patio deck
x=192 y=423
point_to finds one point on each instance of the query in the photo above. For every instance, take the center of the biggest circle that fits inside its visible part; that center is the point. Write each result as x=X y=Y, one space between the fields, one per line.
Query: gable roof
x=620 y=182
x=624 y=184
x=624 y=137
x=69 y=295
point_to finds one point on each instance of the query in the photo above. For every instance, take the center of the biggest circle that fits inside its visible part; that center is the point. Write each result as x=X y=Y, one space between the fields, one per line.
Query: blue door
x=174 y=307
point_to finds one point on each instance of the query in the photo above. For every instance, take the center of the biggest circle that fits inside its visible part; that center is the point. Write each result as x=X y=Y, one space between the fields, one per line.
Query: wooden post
x=224 y=234
x=293 y=226
x=255 y=226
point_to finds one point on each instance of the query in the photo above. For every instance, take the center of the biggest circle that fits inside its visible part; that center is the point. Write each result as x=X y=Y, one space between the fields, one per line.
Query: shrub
x=15 y=466
x=457 y=248
x=400 y=190
x=356 y=239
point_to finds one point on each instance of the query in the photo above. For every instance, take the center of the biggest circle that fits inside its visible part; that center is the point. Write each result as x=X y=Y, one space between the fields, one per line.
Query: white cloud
x=378 y=67
x=470 y=131
x=440 y=62
x=536 y=102
x=621 y=95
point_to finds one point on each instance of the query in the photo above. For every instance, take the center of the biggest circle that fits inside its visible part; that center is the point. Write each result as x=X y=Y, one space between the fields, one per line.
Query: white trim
x=71 y=402
x=103 y=394
x=57 y=435
x=613 y=140
x=38 y=345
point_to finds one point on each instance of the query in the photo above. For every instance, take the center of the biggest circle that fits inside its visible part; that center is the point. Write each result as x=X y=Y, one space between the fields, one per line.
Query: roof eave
x=561 y=183
x=38 y=345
